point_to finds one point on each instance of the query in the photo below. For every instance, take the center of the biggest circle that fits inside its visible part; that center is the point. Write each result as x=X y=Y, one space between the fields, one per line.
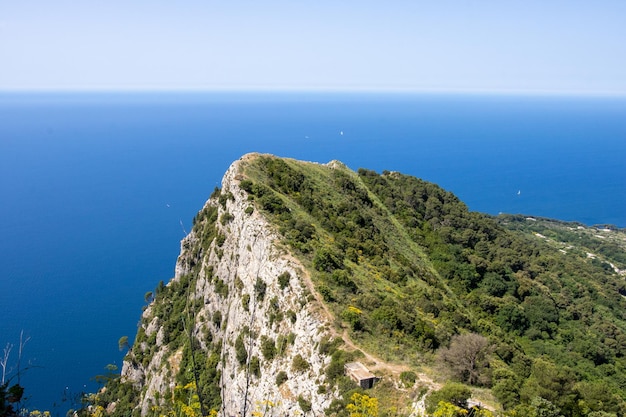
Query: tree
x=453 y=393
x=11 y=394
x=506 y=386
x=467 y=357
x=9 y=399
x=123 y=343
x=552 y=383
x=544 y=408
x=4 y=361
x=327 y=259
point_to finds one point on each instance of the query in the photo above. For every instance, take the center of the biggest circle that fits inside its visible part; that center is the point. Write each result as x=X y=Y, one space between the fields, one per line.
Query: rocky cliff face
x=406 y=270
x=248 y=308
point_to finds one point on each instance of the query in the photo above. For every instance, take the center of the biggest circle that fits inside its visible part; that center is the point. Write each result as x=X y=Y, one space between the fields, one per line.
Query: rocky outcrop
x=251 y=300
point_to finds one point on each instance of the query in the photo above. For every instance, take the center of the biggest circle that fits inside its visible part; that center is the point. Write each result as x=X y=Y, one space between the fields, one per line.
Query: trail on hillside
x=374 y=363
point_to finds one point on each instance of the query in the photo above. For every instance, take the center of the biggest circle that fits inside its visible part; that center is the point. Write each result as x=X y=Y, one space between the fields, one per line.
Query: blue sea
x=98 y=189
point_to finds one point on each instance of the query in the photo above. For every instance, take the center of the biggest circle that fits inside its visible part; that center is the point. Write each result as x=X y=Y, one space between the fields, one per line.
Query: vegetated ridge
x=294 y=268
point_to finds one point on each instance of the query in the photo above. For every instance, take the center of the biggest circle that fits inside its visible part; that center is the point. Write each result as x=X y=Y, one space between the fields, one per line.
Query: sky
x=555 y=46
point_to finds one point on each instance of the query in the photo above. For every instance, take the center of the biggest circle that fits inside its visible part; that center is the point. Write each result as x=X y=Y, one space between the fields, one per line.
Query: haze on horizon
x=565 y=47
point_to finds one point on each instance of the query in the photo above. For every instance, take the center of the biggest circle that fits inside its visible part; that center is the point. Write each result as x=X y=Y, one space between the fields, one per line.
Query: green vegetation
x=453 y=393
x=305 y=405
x=283 y=280
x=174 y=308
x=401 y=260
x=268 y=348
x=408 y=378
x=530 y=310
x=281 y=377
x=299 y=364
x=362 y=405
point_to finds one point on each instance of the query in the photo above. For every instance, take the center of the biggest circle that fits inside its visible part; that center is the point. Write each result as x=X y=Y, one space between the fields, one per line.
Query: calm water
x=96 y=190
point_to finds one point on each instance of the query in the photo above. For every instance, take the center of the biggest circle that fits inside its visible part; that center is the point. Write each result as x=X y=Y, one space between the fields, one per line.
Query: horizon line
x=320 y=90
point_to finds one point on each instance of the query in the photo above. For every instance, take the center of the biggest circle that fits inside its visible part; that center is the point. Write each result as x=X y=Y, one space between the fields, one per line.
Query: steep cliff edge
x=294 y=269
x=238 y=300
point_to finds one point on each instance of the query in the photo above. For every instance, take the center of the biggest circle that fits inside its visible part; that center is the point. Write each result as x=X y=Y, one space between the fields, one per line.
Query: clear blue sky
x=566 y=46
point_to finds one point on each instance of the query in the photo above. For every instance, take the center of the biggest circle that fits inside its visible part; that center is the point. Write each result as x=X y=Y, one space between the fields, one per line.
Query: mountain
x=294 y=269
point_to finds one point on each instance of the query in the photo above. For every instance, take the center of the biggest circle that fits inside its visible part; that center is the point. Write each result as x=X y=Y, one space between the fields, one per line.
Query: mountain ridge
x=386 y=264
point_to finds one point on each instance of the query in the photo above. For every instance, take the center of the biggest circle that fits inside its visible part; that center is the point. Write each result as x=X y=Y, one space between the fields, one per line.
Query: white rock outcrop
x=250 y=256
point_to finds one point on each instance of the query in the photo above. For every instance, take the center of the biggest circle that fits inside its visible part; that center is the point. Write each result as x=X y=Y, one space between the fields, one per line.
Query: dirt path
x=374 y=363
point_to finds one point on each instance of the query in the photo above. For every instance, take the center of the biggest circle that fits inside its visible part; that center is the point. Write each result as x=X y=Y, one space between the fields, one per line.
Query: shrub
x=304 y=404
x=342 y=278
x=408 y=378
x=240 y=350
x=326 y=293
x=226 y=218
x=245 y=302
x=292 y=316
x=246 y=185
x=255 y=366
x=338 y=360
x=281 y=378
x=259 y=289
x=353 y=316
x=221 y=288
x=224 y=197
x=283 y=280
x=327 y=259
x=268 y=348
x=453 y=393
x=328 y=346
x=217 y=319
x=299 y=364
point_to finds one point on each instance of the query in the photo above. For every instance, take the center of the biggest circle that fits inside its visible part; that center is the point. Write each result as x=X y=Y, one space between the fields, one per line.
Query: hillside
x=293 y=269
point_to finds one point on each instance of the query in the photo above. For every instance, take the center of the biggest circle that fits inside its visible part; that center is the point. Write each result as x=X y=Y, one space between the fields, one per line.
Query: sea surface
x=98 y=189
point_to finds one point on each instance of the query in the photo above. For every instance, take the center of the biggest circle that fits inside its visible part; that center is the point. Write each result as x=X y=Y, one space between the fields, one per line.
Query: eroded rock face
x=256 y=307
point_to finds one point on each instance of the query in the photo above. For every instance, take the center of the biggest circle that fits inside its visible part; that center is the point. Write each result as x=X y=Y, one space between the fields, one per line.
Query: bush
x=299 y=364
x=453 y=393
x=255 y=366
x=283 y=280
x=221 y=288
x=304 y=404
x=292 y=316
x=335 y=369
x=268 y=348
x=327 y=259
x=217 y=319
x=240 y=350
x=259 y=289
x=226 y=218
x=408 y=378
x=281 y=378
x=326 y=293
x=245 y=302
x=246 y=185
x=353 y=316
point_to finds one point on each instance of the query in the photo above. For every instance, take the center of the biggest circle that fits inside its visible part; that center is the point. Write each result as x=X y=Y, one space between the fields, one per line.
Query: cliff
x=237 y=298
x=294 y=271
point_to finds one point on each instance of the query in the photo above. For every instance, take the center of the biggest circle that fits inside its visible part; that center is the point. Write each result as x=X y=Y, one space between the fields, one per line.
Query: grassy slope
x=405 y=266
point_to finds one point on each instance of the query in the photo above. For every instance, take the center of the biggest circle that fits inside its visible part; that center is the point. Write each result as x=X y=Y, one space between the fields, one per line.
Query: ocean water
x=97 y=190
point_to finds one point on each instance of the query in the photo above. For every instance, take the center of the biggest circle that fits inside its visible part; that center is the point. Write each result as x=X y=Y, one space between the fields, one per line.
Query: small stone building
x=360 y=374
